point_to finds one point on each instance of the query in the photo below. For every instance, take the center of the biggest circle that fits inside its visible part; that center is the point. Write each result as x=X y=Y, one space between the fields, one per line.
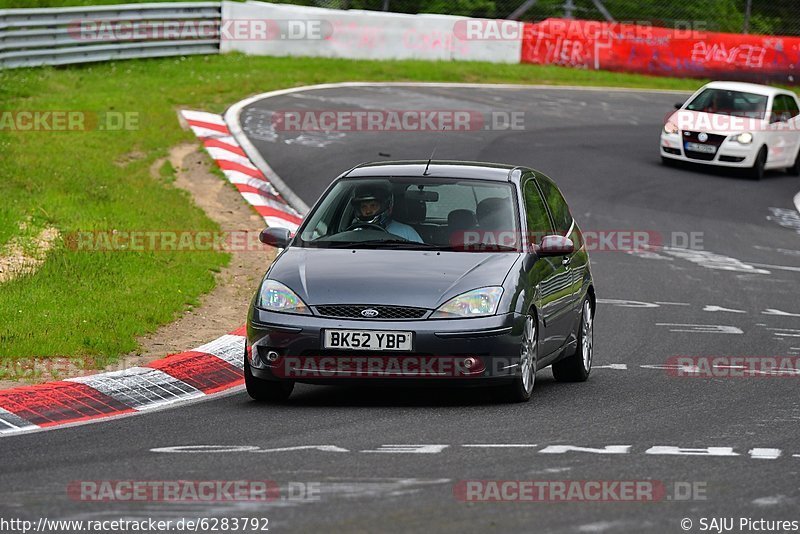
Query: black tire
x=577 y=366
x=266 y=390
x=794 y=170
x=756 y=172
x=521 y=389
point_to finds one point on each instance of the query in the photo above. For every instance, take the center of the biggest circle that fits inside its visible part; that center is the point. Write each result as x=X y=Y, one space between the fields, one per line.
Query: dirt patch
x=130 y=157
x=23 y=255
x=223 y=309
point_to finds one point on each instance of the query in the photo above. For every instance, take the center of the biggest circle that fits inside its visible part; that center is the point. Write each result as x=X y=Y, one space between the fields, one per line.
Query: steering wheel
x=372 y=226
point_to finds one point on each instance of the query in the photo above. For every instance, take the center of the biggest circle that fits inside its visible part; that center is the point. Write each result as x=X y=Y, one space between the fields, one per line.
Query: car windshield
x=415 y=213
x=733 y=103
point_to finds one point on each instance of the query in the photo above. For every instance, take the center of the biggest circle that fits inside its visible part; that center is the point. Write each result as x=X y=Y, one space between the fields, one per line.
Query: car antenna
x=425 y=172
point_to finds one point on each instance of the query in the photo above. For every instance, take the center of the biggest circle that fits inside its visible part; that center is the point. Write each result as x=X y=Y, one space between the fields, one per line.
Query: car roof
x=470 y=170
x=758 y=89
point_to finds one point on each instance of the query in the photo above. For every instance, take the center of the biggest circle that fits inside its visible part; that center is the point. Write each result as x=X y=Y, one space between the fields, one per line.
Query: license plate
x=698 y=147
x=368 y=340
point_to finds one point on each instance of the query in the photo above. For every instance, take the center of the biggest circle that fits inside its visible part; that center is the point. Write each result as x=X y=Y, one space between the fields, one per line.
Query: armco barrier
x=59 y=36
x=662 y=51
x=359 y=34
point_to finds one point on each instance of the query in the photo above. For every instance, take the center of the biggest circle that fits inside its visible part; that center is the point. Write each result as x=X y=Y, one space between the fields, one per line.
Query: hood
x=417 y=278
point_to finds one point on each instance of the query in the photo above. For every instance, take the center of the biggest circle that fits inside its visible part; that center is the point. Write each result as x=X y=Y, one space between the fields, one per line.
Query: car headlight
x=476 y=303
x=743 y=138
x=274 y=296
x=670 y=128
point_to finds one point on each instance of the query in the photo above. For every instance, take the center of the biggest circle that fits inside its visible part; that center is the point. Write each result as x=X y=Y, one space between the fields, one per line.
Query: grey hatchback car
x=425 y=273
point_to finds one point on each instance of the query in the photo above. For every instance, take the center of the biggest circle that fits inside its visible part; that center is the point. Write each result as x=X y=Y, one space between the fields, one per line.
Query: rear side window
x=779 y=111
x=558 y=206
x=791 y=106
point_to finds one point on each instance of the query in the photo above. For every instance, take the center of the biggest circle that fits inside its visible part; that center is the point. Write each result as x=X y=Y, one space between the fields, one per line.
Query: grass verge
x=94 y=305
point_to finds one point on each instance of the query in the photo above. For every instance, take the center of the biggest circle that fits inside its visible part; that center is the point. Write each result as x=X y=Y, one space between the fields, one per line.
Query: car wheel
x=522 y=387
x=576 y=367
x=266 y=390
x=756 y=172
x=794 y=170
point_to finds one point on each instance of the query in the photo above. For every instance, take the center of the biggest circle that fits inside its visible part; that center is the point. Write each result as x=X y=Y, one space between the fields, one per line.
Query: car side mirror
x=555 y=245
x=275 y=237
x=678 y=105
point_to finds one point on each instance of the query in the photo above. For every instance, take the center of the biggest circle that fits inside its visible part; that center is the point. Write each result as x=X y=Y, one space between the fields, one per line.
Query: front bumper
x=440 y=350
x=730 y=153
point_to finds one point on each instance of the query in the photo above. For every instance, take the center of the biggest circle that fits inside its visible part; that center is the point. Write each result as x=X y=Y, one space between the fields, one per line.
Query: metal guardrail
x=57 y=36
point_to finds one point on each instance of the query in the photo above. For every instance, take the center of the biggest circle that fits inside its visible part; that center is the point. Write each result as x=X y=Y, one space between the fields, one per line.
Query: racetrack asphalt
x=602 y=150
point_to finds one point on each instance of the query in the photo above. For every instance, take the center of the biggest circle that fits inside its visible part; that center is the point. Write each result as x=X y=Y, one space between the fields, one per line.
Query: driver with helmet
x=373 y=205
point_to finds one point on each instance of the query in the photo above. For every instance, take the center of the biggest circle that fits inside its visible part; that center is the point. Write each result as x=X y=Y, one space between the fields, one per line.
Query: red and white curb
x=211 y=129
x=209 y=369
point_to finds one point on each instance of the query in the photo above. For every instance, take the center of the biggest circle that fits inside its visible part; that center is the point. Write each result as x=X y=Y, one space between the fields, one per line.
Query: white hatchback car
x=731 y=124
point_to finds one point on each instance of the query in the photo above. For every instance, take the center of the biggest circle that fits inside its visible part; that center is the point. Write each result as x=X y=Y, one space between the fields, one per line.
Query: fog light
x=469 y=363
x=272 y=356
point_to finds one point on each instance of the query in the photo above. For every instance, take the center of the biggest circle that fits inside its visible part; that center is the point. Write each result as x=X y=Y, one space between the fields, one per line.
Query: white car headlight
x=670 y=128
x=274 y=296
x=744 y=138
x=476 y=303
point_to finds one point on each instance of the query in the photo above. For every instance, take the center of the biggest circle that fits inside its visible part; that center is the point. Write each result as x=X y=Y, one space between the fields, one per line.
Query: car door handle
x=566 y=261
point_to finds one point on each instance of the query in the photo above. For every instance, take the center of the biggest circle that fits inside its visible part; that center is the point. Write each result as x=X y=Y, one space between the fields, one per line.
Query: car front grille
x=714 y=140
x=385 y=313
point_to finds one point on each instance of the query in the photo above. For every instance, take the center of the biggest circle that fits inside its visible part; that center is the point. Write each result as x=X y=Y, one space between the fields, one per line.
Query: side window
x=779 y=111
x=536 y=213
x=791 y=106
x=558 y=206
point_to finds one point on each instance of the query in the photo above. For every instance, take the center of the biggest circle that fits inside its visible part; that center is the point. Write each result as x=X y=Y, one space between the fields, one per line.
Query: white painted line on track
x=780 y=313
x=779 y=267
x=500 y=445
x=702 y=328
x=765 y=453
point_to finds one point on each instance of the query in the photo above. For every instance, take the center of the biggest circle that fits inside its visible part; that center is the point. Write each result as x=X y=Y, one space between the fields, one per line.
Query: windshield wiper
x=387 y=243
x=477 y=247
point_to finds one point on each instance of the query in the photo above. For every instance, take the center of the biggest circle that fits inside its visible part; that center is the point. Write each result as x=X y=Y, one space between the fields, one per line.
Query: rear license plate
x=698 y=147
x=367 y=340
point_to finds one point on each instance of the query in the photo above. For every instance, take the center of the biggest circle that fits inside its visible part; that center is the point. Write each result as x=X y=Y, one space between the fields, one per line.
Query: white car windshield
x=733 y=103
x=415 y=213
